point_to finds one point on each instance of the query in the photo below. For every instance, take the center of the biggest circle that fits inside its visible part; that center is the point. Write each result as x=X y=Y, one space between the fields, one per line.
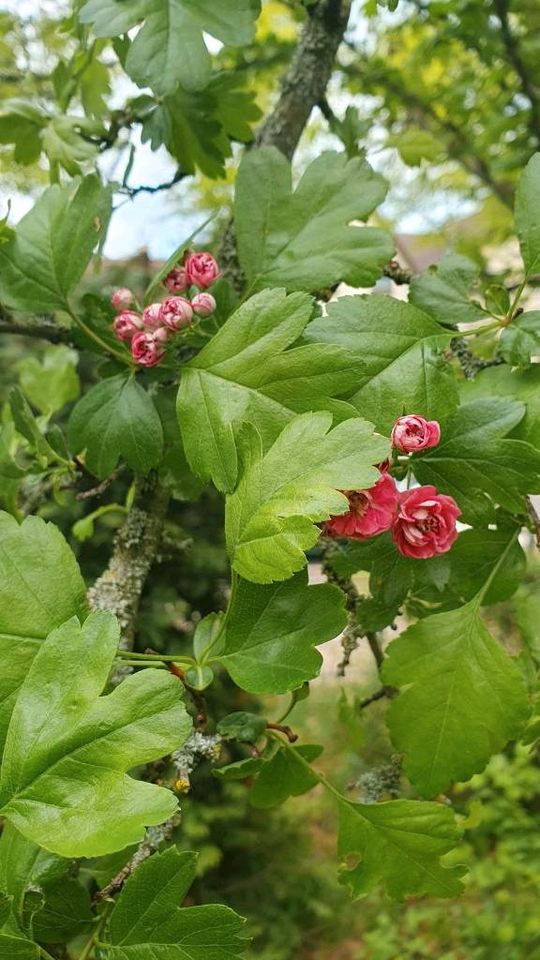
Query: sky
x=154 y=221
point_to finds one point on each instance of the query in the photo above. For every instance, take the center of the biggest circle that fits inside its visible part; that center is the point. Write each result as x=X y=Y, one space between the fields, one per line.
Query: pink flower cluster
x=422 y=521
x=149 y=331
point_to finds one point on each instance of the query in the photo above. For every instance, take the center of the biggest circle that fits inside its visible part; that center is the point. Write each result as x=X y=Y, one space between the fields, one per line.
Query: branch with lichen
x=302 y=87
x=135 y=548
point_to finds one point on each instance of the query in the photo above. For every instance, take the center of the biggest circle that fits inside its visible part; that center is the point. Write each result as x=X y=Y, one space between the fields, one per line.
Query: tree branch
x=514 y=55
x=134 y=191
x=39 y=329
x=135 y=548
x=302 y=87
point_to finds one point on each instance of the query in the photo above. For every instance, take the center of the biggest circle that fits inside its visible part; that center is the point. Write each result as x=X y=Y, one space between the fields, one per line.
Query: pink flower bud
x=147 y=348
x=203 y=304
x=177 y=280
x=413 y=433
x=201 y=269
x=425 y=523
x=176 y=313
x=122 y=298
x=152 y=316
x=370 y=511
x=127 y=324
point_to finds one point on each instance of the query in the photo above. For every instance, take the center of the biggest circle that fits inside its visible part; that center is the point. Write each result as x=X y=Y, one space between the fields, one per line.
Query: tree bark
x=302 y=87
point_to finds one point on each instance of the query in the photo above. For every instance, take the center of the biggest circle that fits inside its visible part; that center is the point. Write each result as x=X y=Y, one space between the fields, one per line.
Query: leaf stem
x=152 y=657
x=93 y=940
x=45 y=954
x=234 y=586
x=478 y=331
x=482 y=592
x=512 y=308
x=97 y=339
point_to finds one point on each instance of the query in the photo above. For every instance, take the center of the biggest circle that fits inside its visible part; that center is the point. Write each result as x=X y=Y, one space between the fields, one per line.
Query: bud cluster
x=148 y=331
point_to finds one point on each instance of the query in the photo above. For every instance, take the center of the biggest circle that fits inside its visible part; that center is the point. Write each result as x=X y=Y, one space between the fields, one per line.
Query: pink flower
x=425 y=523
x=147 y=348
x=127 y=324
x=371 y=511
x=203 y=304
x=201 y=269
x=122 y=298
x=152 y=316
x=177 y=280
x=176 y=313
x=413 y=433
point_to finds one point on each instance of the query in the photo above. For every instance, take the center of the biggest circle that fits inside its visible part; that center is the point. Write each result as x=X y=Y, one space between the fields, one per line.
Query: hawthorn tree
x=397 y=438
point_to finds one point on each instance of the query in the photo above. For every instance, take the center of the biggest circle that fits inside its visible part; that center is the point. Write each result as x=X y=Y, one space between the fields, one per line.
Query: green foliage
x=198 y=127
x=35 y=598
x=246 y=374
x=147 y=921
x=263 y=657
x=303 y=240
x=479 y=464
x=464 y=698
x=54 y=786
x=169 y=49
x=402 y=372
x=29 y=875
x=284 y=775
x=400 y=843
x=52 y=382
x=520 y=342
x=51 y=248
x=444 y=291
x=527 y=215
x=270 y=518
x=117 y=418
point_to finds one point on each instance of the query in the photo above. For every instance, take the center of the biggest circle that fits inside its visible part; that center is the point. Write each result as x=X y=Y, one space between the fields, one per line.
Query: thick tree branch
x=306 y=80
x=43 y=329
x=302 y=88
x=135 y=548
x=514 y=55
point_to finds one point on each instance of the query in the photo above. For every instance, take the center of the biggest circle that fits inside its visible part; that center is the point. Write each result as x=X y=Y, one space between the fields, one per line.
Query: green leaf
x=53 y=244
x=64 y=780
x=400 y=843
x=271 y=632
x=402 y=372
x=147 y=921
x=198 y=127
x=51 y=383
x=26 y=869
x=242 y=726
x=520 y=341
x=169 y=49
x=284 y=776
x=245 y=373
x=444 y=291
x=464 y=698
x=21 y=124
x=270 y=518
x=28 y=427
x=415 y=145
x=116 y=418
x=478 y=464
x=527 y=212
x=304 y=240
x=523 y=385
x=13 y=947
x=35 y=597
x=64 y=143
x=479 y=553
x=174 y=471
